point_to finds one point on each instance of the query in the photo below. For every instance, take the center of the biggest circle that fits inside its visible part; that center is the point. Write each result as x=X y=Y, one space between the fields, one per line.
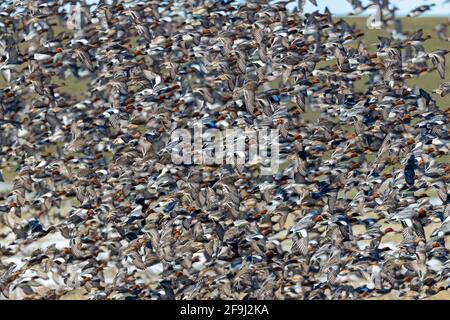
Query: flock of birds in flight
x=359 y=210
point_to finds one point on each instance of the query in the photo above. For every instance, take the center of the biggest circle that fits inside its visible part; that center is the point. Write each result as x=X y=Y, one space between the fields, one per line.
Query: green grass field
x=78 y=87
x=428 y=81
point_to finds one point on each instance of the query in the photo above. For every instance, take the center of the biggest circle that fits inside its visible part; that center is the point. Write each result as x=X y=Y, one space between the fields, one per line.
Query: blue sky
x=342 y=7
